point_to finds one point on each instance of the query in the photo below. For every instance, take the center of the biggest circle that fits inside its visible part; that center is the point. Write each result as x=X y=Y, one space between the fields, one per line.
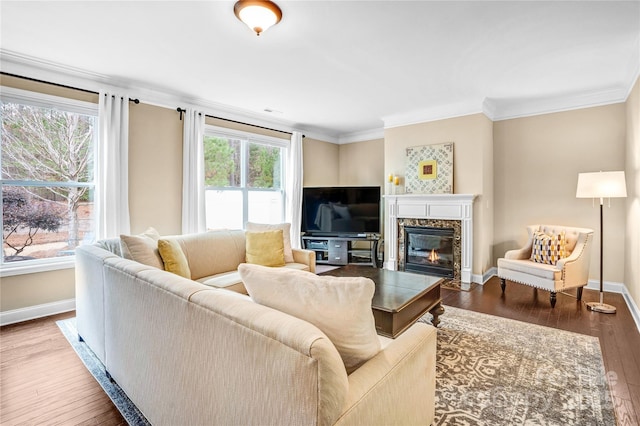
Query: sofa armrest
x=397 y=386
x=306 y=257
x=575 y=267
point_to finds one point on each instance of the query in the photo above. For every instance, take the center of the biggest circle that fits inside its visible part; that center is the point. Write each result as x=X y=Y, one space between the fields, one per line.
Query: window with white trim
x=244 y=178
x=47 y=180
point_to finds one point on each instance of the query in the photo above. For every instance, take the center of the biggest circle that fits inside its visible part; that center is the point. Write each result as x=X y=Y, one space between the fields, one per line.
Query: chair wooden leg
x=579 y=294
x=553 y=299
x=503 y=284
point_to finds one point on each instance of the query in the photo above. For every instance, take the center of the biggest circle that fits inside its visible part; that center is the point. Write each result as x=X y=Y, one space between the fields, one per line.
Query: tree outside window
x=47 y=179
x=243 y=179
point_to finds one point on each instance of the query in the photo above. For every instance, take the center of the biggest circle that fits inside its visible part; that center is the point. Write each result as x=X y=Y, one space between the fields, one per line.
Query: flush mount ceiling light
x=258 y=15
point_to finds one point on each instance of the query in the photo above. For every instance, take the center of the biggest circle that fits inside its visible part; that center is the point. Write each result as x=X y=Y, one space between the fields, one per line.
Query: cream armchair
x=571 y=271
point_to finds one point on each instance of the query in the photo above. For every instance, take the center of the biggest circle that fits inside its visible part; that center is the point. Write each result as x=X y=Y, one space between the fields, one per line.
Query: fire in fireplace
x=429 y=250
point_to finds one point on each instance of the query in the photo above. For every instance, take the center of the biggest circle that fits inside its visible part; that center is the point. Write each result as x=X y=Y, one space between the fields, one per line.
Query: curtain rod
x=135 y=101
x=182 y=111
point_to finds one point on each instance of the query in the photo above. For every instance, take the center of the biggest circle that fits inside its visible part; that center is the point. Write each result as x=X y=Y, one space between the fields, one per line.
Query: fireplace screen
x=429 y=250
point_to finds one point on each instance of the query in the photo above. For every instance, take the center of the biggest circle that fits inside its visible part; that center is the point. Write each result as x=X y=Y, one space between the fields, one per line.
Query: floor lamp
x=601 y=185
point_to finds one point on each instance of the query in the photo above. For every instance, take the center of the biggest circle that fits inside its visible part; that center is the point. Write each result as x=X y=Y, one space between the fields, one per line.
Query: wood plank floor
x=42 y=381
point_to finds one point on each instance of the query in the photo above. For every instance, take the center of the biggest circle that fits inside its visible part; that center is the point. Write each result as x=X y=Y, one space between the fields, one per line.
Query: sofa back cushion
x=212 y=252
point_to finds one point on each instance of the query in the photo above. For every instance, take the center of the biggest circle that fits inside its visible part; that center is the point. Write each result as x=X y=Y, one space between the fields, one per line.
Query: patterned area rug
x=496 y=371
x=490 y=371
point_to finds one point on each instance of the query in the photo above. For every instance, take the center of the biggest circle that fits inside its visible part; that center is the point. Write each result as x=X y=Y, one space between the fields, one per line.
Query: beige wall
x=536 y=163
x=362 y=163
x=472 y=138
x=632 y=171
x=21 y=291
x=155 y=169
x=320 y=163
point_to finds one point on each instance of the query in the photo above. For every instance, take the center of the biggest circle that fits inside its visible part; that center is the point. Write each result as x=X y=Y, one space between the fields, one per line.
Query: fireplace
x=433 y=211
x=429 y=251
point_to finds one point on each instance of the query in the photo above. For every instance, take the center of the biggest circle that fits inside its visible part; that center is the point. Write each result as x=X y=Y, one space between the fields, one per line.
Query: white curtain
x=293 y=212
x=112 y=167
x=193 y=198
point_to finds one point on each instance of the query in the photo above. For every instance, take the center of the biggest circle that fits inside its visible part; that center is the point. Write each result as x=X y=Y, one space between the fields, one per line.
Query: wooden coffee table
x=400 y=299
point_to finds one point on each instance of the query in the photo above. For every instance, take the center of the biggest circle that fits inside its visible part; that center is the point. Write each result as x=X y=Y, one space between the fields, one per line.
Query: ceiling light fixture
x=258 y=15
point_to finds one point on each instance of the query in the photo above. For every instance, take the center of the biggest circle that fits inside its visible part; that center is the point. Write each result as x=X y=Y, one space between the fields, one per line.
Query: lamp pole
x=601 y=306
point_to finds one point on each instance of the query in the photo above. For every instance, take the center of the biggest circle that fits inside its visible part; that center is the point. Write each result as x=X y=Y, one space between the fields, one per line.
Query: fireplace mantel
x=430 y=206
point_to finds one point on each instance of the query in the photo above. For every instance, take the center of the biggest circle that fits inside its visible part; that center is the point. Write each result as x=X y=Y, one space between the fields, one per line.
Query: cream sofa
x=188 y=353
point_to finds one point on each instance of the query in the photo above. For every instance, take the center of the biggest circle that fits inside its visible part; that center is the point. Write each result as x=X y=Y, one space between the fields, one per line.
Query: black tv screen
x=341 y=210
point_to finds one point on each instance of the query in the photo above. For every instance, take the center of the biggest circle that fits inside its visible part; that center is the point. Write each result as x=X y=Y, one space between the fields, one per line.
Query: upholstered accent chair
x=555 y=258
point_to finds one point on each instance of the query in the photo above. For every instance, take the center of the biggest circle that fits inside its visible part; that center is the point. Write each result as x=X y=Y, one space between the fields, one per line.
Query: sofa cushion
x=142 y=248
x=173 y=257
x=226 y=280
x=548 y=248
x=286 y=235
x=339 y=306
x=527 y=266
x=265 y=247
x=232 y=281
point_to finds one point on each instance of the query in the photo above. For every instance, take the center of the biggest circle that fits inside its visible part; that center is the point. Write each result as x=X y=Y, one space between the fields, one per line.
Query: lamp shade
x=601 y=185
x=259 y=15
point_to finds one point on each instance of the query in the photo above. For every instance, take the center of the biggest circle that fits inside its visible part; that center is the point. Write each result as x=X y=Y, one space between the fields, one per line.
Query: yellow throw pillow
x=286 y=235
x=265 y=248
x=173 y=257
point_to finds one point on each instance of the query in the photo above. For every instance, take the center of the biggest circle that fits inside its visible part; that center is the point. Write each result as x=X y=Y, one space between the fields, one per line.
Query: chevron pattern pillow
x=548 y=248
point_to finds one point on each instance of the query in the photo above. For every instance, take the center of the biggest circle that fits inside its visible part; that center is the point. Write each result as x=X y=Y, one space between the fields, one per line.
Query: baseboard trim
x=482 y=279
x=38 y=311
x=633 y=308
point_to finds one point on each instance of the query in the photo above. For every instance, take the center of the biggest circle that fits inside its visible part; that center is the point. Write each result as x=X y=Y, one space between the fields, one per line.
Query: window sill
x=31 y=267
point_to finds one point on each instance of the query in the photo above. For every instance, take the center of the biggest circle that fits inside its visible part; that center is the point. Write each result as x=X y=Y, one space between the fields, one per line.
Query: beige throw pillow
x=339 y=306
x=142 y=248
x=286 y=235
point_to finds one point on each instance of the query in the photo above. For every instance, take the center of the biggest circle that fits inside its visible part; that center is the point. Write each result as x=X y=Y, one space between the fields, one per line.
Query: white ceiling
x=343 y=69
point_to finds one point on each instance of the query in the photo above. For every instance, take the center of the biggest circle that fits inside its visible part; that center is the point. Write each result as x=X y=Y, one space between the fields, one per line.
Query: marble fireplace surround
x=435 y=210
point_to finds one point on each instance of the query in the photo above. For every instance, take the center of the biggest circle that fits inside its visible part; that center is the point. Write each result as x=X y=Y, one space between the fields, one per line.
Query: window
x=47 y=177
x=243 y=178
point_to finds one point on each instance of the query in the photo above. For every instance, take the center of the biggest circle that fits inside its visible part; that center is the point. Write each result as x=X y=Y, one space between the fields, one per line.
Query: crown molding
x=361 y=136
x=633 y=69
x=498 y=109
x=26 y=66
x=441 y=112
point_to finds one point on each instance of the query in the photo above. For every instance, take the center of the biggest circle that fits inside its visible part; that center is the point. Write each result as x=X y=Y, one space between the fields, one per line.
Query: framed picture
x=429 y=169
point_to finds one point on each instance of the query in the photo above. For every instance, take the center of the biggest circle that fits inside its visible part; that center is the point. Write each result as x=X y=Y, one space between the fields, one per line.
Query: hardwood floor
x=42 y=381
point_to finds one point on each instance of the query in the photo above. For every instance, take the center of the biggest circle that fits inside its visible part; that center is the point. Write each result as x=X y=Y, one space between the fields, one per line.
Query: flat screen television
x=341 y=210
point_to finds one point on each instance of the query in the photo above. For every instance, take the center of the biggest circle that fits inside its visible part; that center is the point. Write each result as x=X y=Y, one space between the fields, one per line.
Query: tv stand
x=343 y=250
